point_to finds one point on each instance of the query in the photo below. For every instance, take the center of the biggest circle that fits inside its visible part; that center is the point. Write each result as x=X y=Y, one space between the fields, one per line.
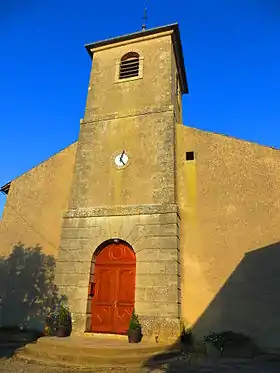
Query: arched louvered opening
x=129 y=66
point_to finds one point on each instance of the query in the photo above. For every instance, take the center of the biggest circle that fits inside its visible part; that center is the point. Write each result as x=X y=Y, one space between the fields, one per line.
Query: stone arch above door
x=114 y=254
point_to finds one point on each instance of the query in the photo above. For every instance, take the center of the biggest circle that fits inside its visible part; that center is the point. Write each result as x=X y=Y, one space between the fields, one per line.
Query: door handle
x=92 y=287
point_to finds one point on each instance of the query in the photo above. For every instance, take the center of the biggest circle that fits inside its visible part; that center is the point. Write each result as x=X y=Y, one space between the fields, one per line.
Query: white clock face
x=121 y=160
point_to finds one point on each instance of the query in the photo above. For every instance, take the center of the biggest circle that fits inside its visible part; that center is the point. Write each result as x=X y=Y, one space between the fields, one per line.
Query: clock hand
x=121 y=158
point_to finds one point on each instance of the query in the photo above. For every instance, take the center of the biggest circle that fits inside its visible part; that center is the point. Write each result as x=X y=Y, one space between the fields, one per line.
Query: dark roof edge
x=5 y=188
x=176 y=41
x=133 y=35
x=178 y=49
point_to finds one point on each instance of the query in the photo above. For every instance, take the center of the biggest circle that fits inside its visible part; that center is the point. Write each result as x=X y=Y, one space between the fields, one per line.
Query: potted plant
x=134 y=332
x=63 y=322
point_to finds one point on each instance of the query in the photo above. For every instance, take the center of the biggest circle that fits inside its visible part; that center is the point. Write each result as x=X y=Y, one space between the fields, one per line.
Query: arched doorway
x=112 y=289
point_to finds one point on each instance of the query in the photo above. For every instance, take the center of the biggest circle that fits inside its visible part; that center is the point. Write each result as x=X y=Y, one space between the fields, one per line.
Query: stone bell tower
x=124 y=184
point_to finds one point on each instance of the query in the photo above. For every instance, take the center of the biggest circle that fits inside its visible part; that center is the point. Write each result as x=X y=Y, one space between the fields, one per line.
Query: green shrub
x=60 y=317
x=134 y=321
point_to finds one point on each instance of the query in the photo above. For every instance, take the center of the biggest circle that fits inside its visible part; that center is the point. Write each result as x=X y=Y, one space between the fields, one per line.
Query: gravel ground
x=13 y=365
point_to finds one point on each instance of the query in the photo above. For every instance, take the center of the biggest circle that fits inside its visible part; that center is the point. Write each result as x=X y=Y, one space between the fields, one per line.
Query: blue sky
x=232 y=57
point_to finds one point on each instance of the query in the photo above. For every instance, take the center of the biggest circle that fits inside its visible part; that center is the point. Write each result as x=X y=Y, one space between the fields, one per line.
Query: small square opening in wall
x=189 y=156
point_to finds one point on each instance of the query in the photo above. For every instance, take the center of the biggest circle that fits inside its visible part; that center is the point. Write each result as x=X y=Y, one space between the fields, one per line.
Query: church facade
x=143 y=212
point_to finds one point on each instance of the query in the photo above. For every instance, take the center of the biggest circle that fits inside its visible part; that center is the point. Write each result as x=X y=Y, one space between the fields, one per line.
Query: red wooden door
x=114 y=289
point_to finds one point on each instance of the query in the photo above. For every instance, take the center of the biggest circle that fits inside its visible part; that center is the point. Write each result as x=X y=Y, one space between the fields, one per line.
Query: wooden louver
x=129 y=67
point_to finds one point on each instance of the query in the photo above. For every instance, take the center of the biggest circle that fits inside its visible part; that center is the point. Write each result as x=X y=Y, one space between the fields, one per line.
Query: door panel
x=126 y=285
x=122 y=317
x=104 y=285
x=102 y=306
x=125 y=294
x=102 y=319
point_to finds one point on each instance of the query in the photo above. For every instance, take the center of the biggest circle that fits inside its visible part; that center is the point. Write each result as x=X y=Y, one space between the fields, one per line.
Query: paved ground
x=9 y=363
x=12 y=365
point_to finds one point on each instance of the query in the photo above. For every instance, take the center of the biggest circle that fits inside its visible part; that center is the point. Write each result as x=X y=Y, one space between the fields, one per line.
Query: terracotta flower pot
x=134 y=335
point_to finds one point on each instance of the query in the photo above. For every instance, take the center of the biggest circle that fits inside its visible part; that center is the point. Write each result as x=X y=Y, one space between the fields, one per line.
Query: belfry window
x=129 y=66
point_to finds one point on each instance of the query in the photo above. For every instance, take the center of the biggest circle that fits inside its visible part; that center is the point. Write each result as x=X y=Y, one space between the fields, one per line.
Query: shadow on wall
x=249 y=302
x=27 y=290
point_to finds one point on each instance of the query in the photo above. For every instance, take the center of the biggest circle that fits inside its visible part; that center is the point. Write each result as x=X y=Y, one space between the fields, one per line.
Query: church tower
x=120 y=239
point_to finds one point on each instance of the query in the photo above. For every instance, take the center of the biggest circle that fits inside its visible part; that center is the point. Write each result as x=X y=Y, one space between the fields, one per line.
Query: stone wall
x=153 y=233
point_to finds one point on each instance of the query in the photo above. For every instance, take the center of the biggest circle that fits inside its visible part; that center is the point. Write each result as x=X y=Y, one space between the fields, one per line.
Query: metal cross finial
x=145 y=19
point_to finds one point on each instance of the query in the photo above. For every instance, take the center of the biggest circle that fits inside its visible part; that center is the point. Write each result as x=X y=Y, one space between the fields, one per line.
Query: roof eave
x=5 y=188
x=180 y=58
x=130 y=36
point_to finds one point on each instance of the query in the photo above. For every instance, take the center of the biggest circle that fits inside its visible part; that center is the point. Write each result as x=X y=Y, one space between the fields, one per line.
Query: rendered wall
x=136 y=116
x=30 y=233
x=229 y=202
x=35 y=203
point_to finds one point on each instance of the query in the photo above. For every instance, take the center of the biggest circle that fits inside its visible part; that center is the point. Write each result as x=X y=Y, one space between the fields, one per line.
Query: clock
x=121 y=159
